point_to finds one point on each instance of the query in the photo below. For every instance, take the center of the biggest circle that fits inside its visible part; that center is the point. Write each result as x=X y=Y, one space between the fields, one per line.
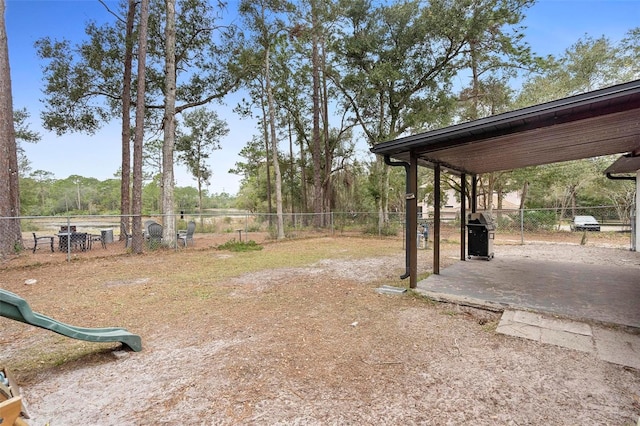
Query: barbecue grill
x=481 y=233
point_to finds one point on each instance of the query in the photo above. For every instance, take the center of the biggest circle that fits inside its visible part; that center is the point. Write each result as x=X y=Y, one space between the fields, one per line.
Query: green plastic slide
x=16 y=308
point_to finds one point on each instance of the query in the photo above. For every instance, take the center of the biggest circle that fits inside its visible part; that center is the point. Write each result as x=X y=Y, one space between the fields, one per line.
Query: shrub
x=389 y=230
x=239 y=246
x=536 y=220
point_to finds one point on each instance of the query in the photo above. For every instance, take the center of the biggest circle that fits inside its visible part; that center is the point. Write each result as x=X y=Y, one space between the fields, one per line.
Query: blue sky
x=552 y=26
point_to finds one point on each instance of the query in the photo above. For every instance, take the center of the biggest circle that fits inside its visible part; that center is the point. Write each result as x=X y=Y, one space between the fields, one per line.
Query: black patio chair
x=94 y=238
x=79 y=241
x=42 y=238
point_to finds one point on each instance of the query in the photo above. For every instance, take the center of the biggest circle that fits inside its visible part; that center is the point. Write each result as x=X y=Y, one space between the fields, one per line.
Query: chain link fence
x=72 y=236
x=529 y=222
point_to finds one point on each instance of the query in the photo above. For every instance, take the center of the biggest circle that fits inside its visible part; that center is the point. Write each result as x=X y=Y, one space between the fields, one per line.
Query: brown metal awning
x=602 y=122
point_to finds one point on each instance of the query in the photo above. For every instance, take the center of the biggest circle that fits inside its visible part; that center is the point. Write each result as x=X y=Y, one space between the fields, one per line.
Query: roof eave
x=542 y=115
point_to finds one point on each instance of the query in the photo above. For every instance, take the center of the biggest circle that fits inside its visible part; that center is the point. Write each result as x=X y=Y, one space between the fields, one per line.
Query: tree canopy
x=325 y=81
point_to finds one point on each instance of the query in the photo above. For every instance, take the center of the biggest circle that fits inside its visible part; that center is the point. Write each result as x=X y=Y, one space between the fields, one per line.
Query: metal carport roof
x=601 y=122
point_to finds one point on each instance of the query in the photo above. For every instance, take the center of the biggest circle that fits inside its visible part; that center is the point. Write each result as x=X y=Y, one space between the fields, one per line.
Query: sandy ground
x=313 y=345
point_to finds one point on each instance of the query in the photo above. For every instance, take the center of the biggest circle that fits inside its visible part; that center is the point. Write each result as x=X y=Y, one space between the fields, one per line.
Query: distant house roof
x=602 y=122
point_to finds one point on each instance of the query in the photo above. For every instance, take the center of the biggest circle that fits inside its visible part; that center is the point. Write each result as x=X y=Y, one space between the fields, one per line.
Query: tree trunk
x=169 y=232
x=78 y=201
x=474 y=80
x=327 y=183
x=136 y=241
x=490 y=190
x=265 y=132
x=274 y=147
x=383 y=210
x=500 y=193
x=385 y=178
x=316 y=139
x=483 y=196
x=125 y=178
x=292 y=170
x=10 y=235
x=525 y=190
x=200 y=197
x=303 y=176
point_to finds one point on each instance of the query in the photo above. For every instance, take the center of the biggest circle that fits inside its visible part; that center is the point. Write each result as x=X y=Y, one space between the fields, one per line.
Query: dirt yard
x=292 y=334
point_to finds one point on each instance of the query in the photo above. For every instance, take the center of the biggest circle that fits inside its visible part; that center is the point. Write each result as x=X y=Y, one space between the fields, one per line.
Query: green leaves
x=589 y=64
x=83 y=82
x=195 y=144
x=71 y=85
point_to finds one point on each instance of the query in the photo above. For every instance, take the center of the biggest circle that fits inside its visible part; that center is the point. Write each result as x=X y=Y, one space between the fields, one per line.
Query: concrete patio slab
x=617 y=347
x=593 y=308
x=586 y=292
x=608 y=344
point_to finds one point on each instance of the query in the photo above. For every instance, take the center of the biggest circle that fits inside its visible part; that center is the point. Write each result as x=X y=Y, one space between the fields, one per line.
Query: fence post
x=521 y=226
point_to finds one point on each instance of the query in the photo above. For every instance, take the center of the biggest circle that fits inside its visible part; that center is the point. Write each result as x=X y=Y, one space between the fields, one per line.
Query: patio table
x=78 y=241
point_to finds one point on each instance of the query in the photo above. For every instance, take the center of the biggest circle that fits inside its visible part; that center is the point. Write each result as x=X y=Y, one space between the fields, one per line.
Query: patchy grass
x=292 y=334
x=139 y=292
x=240 y=246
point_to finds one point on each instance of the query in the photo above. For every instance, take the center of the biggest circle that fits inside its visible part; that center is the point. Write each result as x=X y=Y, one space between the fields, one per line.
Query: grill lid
x=481 y=218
